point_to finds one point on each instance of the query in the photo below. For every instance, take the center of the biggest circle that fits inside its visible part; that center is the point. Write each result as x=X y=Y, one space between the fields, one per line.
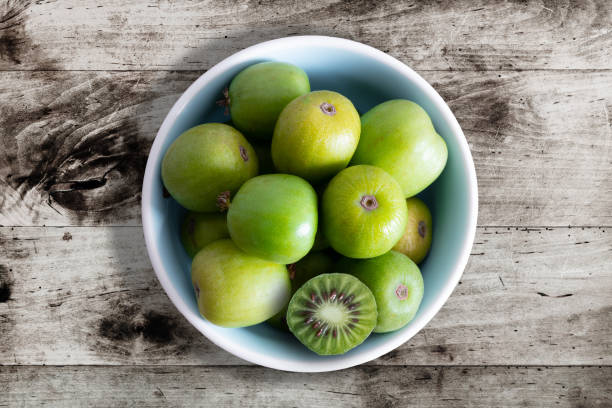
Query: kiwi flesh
x=332 y=313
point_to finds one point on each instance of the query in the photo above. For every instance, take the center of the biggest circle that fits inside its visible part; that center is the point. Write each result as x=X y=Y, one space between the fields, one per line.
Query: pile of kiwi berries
x=303 y=214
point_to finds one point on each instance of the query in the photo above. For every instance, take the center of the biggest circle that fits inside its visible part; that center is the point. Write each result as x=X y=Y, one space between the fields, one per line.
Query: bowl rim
x=343 y=361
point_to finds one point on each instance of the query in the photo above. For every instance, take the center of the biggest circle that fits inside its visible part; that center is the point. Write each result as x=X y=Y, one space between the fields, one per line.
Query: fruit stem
x=291 y=269
x=223 y=201
x=225 y=101
x=369 y=202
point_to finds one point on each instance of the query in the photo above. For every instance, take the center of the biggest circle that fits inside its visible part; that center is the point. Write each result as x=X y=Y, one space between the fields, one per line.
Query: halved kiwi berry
x=332 y=313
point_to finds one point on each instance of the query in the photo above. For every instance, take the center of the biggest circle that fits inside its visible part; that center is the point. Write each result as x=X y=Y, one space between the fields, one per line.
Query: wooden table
x=84 y=86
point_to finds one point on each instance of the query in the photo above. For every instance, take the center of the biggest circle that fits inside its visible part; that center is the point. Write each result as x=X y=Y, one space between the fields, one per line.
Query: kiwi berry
x=200 y=229
x=416 y=241
x=396 y=283
x=205 y=161
x=332 y=313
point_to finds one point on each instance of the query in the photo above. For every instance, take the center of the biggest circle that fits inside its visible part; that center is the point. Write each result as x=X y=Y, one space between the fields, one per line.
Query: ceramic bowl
x=367 y=77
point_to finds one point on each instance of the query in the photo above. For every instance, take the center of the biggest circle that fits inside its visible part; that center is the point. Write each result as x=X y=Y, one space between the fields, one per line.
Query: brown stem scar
x=422 y=229
x=401 y=292
x=369 y=202
x=328 y=108
x=243 y=154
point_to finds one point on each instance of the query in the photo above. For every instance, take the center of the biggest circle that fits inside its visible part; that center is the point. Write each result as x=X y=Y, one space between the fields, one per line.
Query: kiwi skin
x=200 y=229
x=416 y=241
x=396 y=282
x=332 y=313
x=313 y=264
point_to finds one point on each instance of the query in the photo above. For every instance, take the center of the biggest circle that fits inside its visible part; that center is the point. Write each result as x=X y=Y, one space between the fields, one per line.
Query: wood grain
x=434 y=387
x=76 y=143
x=172 y=35
x=85 y=85
x=88 y=295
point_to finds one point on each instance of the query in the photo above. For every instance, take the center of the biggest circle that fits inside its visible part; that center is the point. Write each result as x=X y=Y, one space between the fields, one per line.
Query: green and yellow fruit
x=258 y=94
x=316 y=135
x=364 y=212
x=206 y=161
x=234 y=289
x=399 y=137
x=396 y=283
x=200 y=229
x=416 y=241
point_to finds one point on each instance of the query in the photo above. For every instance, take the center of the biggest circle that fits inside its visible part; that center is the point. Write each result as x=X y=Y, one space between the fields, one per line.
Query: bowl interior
x=367 y=79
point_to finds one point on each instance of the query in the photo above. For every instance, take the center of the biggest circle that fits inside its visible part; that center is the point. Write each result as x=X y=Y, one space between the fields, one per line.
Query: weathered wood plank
x=181 y=35
x=434 y=387
x=75 y=143
x=528 y=296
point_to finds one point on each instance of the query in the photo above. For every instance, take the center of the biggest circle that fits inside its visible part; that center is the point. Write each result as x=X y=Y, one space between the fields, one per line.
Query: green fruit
x=332 y=313
x=274 y=217
x=396 y=283
x=258 y=94
x=234 y=289
x=363 y=211
x=313 y=264
x=205 y=161
x=398 y=136
x=316 y=135
x=416 y=241
x=200 y=229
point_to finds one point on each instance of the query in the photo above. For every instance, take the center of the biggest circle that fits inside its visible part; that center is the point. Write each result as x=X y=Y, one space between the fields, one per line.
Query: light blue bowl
x=367 y=77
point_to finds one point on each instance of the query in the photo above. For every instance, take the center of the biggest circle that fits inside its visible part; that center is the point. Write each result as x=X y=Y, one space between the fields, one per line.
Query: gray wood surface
x=185 y=35
x=363 y=386
x=76 y=143
x=84 y=86
x=526 y=297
